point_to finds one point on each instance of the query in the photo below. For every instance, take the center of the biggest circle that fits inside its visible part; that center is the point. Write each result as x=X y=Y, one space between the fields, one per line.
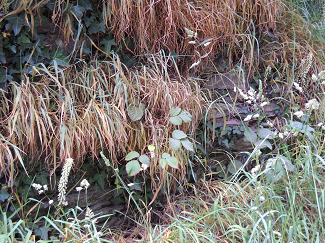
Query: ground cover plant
x=206 y=119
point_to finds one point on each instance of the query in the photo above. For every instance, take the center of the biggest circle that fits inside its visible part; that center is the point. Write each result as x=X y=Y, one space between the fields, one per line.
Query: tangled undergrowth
x=154 y=127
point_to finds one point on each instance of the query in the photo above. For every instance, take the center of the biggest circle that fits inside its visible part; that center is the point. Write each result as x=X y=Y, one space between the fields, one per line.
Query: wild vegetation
x=204 y=118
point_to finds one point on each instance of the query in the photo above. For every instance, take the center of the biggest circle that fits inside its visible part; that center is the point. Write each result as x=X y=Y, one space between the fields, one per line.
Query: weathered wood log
x=99 y=201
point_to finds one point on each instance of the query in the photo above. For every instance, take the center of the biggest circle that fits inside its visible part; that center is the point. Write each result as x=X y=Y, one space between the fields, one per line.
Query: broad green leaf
x=165 y=155
x=176 y=120
x=264 y=132
x=163 y=163
x=16 y=22
x=174 y=111
x=144 y=159
x=286 y=163
x=175 y=143
x=178 y=134
x=172 y=162
x=296 y=124
x=303 y=128
x=133 y=167
x=136 y=112
x=151 y=148
x=234 y=166
x=132 y=155
x=25 y=39
x=187 y=144
x=13 y=48
x=186 y=116
x=263 y=144
x=250 y=135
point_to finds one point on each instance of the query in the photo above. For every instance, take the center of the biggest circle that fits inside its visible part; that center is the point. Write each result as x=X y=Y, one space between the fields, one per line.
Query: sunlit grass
x=289 y=210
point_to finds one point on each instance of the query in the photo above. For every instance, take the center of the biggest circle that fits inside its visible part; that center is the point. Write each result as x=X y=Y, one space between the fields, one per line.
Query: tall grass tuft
x=61 y=113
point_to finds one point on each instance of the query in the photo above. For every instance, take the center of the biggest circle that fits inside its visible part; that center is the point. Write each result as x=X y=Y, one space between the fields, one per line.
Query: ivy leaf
x=16 y=22
x=176 y=120
x=133 y=167
x=42 y=232
x=96 y=27
x=101 y=179
x=144 y=159
x=175 y=143
x=187 y=144
x=174 y=111
x=89 y=20
x=78 y=11
x=108 y=45
x=186 y=116
x=136 y=112
x=172 y=162
x=178 y=134
x=86 y=4
x=60 y=61
x=3 y=76
x=132 y=155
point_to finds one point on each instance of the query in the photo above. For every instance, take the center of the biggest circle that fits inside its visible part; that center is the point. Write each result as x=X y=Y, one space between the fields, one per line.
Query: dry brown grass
x=253 y=34
x=70 y=113
x=155 y=25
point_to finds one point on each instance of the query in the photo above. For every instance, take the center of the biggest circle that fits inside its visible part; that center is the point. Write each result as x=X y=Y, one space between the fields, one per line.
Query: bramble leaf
x=144 y=159
x=163 y=163
x=176 y=120
x=132 y=155
x=172 y=161
x=187 y=144
x=175 y=143
x=136 y=112
x=165 y=155
x=186 y=116
x=174 y=111
x=133 y=167
x=178 y=134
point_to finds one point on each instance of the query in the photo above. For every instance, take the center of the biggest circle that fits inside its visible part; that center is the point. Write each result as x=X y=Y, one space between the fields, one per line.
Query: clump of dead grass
x=160 y=25
x=59 y=114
